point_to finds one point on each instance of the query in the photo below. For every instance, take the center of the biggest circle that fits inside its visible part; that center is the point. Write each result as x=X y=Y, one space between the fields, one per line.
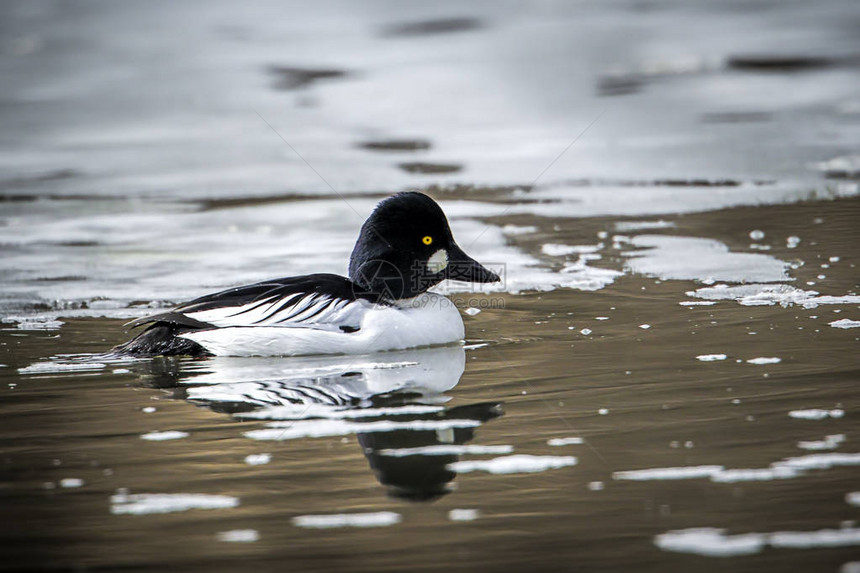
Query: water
x=678 y=310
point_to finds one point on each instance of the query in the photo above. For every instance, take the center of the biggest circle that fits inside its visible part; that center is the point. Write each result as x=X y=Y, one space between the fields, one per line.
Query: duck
x=404 y=248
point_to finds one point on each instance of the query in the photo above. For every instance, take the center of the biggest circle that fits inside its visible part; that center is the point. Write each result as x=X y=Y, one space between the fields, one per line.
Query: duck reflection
x=394 y=402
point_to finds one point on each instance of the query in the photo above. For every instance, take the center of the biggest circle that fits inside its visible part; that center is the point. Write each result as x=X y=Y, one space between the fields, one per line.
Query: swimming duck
x=404 y=248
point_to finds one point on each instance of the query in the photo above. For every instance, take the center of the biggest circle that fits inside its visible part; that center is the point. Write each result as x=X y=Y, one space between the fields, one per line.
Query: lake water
x=666 y=379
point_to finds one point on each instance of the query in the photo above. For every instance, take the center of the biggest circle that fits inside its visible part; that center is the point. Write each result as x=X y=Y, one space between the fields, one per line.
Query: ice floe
x=565 y=441
x=41 y=322
x=710 y=542
x=853 y=498
x=556 y=250
x=711 y=357
x=521 y=463
x=374 y=519
x=713 y=542
x=842 y=166
x=71 y=482
x=689 y=258
x=163 y=436
x=783 y=469
x=445 y=450
x=764 y=360
x=307 y=411
x=579 y=275
x=828 y=443
x=845 y=323
x=762 y=295
x=463 y=514
x=816 y=414
x=147 y=503
x=325 y=428
x=258 y=459
x=238 y=536
x=627 y=226
x=61 y=367
x=676 y=473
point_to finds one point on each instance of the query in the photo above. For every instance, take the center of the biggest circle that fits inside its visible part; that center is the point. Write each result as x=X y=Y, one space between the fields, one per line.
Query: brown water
x=638 y=397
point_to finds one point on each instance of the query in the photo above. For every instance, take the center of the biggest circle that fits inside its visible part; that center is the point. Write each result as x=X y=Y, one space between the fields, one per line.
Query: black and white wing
x=320 y=301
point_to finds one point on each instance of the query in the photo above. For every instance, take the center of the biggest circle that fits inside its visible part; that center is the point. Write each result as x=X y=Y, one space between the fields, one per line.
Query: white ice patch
x=811 y=539
x=853 y=498
x=689 y=258
x=445 y=450
x=710 y=542
x=565 y=441
x=307 y=411
x=238 y=536
x=828 y=443
x=149 y=503
x=710 y=357
x=844 y=166
x=579 y=275
x=697 y=302
x=763 y=295
x=326 y=428
x=61 y=367
x=472 y=311
x=518 y=230
x=845 y=323
x=522 y=463
x=376 y=519
x=71 y=482
x=258 y=459
x=754 y=474
x=627 y=226
x=764 y=360
x=163 y=436
x=820 y=461
x=35 y=322
x=685 y=472
x=816 y=414
x=463 y=514
x=713 y=542
x=783 y=469
x=556 y=250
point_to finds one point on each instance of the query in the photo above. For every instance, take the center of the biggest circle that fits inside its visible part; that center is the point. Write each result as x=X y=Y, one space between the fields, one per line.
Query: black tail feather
x=161 y=339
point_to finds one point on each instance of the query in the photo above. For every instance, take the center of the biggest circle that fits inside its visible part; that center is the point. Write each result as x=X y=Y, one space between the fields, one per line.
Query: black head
x=406 y=246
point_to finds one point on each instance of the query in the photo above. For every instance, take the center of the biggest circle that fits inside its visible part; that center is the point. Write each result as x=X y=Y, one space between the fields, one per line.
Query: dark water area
x=666 y=379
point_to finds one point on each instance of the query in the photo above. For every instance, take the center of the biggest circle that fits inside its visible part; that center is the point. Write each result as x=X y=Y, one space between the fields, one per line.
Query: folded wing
x=320 y=301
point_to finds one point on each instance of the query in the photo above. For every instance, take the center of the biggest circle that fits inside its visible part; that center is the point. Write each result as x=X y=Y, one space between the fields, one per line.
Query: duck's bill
x=462 y=267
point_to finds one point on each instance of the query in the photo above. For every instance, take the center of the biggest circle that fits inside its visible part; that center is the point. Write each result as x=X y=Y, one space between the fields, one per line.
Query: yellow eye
x=428 y=240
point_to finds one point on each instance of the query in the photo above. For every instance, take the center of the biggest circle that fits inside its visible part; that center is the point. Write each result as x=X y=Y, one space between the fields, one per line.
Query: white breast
x=426 y=320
